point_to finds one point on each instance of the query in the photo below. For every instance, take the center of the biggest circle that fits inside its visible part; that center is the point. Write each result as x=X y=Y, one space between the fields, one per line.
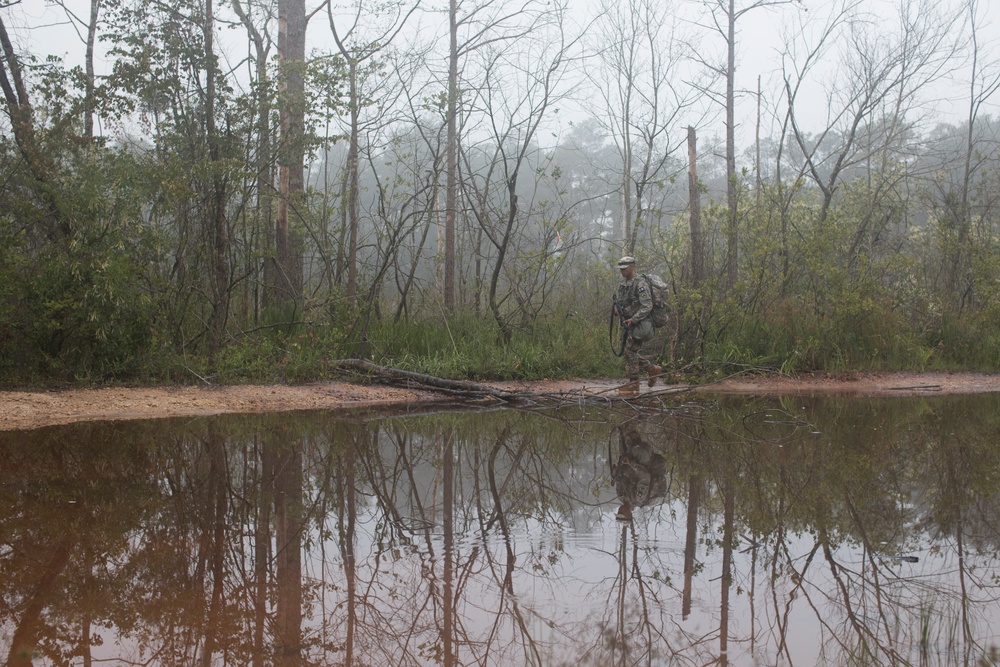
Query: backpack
x=660 y=292
x=640 y=484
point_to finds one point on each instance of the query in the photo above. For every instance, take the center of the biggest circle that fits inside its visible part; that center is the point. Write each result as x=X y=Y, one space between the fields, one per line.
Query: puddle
x=799 y=530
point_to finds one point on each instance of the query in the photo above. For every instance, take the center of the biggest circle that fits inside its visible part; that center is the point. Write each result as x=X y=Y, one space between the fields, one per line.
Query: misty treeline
x=254 y=175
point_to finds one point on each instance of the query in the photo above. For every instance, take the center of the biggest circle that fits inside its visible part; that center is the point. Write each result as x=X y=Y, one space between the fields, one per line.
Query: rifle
x=617 y=321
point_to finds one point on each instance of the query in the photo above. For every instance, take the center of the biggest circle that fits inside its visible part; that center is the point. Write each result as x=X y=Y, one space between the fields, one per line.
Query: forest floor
x=21 y=410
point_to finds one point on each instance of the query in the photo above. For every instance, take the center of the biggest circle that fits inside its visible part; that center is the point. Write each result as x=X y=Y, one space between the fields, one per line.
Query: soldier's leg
x=639 y=335
x=635 y=361
x=654 y=347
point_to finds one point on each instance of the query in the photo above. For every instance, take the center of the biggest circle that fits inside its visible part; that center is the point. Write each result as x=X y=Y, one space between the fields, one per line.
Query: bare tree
x=520 y=86
x=694 y=210
x=358 y=49
x=881 y=74
x=487 y=23
x=984 y=81
x=291 y=163
x=90 y=40
x=723 y=17
x=451 y=156
x=218 y=223
x=802 y=55
x=638 y=84
x=261 y=40
x=421 y=163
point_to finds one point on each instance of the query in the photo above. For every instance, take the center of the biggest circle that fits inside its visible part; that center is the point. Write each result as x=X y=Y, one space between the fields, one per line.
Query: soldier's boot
x=654 y=372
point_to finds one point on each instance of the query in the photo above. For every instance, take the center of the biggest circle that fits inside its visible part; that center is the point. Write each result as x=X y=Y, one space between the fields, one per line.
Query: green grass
x=557 y=346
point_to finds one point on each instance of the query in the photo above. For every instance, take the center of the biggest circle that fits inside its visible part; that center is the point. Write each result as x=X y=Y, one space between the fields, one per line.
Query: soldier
x=635 y=301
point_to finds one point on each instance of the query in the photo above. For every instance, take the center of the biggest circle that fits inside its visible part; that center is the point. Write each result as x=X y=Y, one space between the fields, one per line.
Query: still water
x=792 y=531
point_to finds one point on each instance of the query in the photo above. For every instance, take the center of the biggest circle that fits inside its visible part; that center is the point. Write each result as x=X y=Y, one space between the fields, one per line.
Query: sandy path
x=33 y=409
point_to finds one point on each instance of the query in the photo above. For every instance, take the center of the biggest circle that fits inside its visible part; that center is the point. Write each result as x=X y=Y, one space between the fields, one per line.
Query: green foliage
x=464 y=347
x=148 y=262
x=73 y=307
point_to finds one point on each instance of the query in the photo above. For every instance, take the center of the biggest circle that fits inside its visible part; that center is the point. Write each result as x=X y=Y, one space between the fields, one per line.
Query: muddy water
x=728 y=530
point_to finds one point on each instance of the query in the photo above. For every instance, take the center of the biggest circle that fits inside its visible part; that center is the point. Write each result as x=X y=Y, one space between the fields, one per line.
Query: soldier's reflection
x=633 y=630
x=639 y=474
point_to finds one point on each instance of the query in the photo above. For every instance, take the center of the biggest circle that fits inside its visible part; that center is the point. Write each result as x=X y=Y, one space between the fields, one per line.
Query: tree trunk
x=728 y=521
x=265 y=177
x=451 y=179
x=503 y=326
x=26 y=633
x=217 y=504
x=218 y=227
x=292 y=54
x=447 y=526
x=732 y=239
x=352 y=185
x=23 y=125
x=349 y=517
x=694 y=205
x=690 y=542
x=88 y=104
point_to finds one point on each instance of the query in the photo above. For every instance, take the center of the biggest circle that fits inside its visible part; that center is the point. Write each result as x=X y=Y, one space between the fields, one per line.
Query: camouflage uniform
x=639 y=474
x=636 y=303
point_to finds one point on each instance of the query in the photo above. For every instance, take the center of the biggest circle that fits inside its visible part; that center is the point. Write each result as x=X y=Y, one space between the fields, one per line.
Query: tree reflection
x=59 y=518
x=856 y=499
x=290 y=522
x=690 y=541
x=215 y=539
x=42 y=580
x=448 y=525
x=733 y=532
x=258 y=464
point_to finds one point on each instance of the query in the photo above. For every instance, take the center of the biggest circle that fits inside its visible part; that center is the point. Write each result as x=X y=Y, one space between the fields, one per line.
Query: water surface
x=791 y=531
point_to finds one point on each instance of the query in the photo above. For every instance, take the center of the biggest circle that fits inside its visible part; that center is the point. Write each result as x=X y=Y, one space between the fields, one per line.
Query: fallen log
x=411 y=380
x=482 y=392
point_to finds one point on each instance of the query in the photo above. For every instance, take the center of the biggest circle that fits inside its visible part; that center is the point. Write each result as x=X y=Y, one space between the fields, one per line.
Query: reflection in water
x=793 y=531
x=639 y=472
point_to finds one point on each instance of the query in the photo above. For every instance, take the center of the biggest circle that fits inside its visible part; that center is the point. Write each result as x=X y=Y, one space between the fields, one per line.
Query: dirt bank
x=33 y=409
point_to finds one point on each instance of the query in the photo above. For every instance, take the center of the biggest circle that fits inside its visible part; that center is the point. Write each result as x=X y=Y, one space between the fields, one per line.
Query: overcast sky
x=43 y=28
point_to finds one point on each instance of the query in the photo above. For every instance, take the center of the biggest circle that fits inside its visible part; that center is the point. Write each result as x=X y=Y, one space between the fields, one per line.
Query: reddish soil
x=33 y=409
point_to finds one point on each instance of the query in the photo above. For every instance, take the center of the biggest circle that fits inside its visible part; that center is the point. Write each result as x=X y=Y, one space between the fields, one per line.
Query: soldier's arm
x=645 y=298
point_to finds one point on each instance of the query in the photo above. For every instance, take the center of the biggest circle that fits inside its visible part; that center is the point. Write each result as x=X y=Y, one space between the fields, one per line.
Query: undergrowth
x=560 y=346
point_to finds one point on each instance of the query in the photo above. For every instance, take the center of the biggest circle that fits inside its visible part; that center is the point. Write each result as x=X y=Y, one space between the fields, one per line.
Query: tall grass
x=470 y=347
x=789 y=337
x=461 y=347
x=788 y=340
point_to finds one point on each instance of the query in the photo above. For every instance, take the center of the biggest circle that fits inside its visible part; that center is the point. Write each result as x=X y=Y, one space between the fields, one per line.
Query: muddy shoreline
x=21 y=410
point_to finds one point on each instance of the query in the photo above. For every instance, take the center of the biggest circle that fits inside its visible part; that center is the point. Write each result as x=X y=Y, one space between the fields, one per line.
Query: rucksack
x=660 y=292
x=640 y=484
